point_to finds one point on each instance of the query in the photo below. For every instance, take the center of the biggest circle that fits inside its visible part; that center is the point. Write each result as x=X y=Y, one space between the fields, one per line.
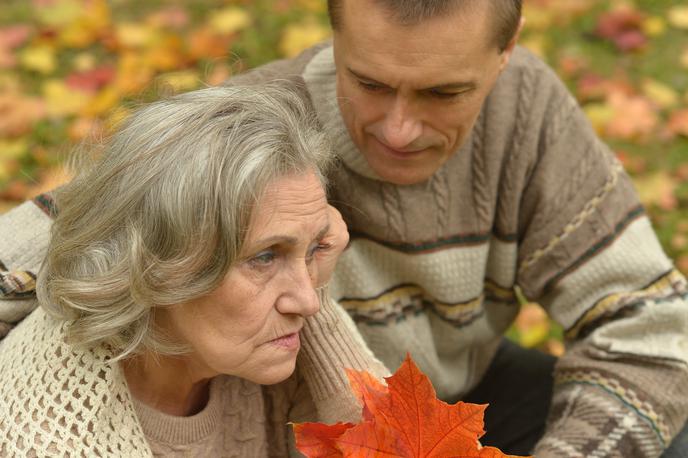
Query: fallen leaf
x=18 y=113
x=61 y=100
x=635 y=117
x=12 y=37
x=532 y=325
x=206 y=44
x=654 y=26
x=39 y=58
x=13 y=149
x=219 y=74
x=678 y=16
x=623 y=26
x=229 y=20
x=298 y=36
x=404 y=418
x=678 y=122
x=104 y=101
x=185 y=80
x=657 y=189
x=174 y=17
x=57 y=13
x=318 y=440
x=684 y=58
x=134 y=35
x=91 y=80
x=663 y=95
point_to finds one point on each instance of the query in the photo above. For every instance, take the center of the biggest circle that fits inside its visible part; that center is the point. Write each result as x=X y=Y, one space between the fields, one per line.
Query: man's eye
x=372 y=87
x=445 y=95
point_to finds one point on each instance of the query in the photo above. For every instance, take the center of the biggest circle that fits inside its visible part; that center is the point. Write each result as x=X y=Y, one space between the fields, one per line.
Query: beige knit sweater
x=57 y=400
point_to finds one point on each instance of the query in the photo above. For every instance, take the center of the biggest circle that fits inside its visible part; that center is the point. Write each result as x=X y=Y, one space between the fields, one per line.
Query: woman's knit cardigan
x=57 y=400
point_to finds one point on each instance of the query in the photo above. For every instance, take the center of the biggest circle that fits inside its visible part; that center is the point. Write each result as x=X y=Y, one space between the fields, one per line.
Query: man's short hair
x=506 y=14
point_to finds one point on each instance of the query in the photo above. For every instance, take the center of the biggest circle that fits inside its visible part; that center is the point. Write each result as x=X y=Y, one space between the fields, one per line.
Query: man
x=468 y=171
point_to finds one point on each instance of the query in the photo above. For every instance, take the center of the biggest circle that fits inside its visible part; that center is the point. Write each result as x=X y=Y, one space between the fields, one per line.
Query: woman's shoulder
x=57 y=400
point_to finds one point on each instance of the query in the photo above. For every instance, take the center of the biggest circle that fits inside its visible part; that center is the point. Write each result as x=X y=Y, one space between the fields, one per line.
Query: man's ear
x=506 y=53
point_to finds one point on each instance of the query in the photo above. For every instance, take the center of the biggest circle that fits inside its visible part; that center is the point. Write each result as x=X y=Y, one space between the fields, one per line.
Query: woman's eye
x=314 y=249
x=263 y=259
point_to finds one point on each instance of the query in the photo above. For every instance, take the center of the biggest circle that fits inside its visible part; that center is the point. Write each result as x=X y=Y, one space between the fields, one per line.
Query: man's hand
x=331 y=246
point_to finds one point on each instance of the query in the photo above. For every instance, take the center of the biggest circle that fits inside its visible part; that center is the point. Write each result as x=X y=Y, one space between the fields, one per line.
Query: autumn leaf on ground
x=623 y=26
x=404 y=418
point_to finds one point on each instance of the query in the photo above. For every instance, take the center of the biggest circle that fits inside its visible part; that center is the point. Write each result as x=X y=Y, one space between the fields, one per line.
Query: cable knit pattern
x=481 y=196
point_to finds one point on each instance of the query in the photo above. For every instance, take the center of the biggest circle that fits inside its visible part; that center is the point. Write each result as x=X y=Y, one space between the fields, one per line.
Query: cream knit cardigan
x=60 y=401
x=57 y=400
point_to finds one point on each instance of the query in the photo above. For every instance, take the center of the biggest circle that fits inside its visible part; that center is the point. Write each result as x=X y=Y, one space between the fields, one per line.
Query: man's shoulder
x=287 y=70
x=525 y=62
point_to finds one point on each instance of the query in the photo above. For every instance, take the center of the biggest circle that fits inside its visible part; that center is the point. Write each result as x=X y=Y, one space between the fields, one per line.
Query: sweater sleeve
x=24 y=236
x=331 y=343
x=588 y=254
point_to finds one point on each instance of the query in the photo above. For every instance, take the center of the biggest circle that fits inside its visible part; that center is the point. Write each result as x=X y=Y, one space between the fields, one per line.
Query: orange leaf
x=316 y=440
x=404 y=418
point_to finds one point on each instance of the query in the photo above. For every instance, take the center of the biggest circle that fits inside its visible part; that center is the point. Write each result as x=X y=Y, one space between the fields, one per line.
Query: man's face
x=409 y=95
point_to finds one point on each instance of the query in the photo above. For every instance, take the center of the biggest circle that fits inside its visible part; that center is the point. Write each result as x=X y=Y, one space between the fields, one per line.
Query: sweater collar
x=320 y=78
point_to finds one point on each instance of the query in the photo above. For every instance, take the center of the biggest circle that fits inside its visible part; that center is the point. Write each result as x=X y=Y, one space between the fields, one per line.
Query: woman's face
x=249 y=326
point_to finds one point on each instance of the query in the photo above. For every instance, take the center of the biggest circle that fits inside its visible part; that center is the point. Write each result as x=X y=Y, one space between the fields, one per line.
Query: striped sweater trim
x=633 y=215
x=667 y=287
x=17 y=284
x=625 y=394
x=46 y=203
x=390 y=306
x=432 y=246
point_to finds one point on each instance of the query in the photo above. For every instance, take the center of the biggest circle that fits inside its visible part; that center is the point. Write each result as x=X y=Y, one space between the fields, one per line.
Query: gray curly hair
x=161 y=216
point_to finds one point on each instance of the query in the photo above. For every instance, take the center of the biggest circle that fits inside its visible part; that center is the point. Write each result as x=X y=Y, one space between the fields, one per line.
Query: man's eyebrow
x=453 y=86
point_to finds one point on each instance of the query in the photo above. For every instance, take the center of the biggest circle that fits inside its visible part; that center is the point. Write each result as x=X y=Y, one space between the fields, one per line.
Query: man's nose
x=401 y=125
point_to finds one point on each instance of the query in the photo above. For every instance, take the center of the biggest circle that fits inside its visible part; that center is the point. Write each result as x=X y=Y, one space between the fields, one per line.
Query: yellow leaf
x=59 y=13
x=684 y=58
x=678 y=17
x=103 y=102
x=118 y=115
x=61 y=100
x=133 y=73
x=229 y=20
x=599 y=114
x=537 y=18
x=13 y=149
x=134 y=35
x=536 y=43
x=39 y=58
x=84 y=61
x=316 y=6
x=661 y=94
x=185 y=80
x=654 y=26
x=657 y=189
x=299 y=36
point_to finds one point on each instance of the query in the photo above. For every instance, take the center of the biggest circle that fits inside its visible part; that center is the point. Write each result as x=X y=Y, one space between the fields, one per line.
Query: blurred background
x=70 y=70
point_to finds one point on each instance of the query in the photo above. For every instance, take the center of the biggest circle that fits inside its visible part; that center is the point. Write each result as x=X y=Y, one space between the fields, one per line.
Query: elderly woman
x=182 y=278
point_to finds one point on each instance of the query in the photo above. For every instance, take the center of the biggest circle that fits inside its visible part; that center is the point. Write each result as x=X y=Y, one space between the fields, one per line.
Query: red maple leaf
x=404 y=418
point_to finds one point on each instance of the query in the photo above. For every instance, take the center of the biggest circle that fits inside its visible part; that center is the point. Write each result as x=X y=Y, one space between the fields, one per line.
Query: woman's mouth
x=288 y=342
